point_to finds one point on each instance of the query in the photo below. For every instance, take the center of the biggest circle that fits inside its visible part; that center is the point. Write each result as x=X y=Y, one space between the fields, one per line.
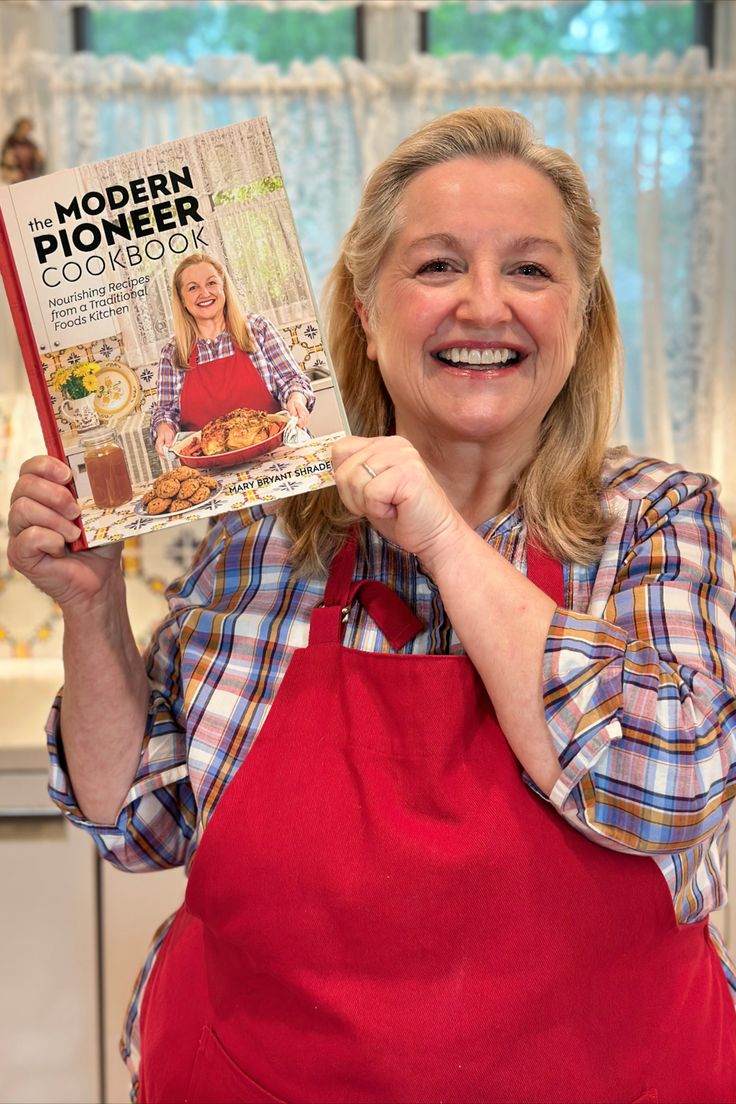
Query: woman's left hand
x=403 y=500
x=296 y=405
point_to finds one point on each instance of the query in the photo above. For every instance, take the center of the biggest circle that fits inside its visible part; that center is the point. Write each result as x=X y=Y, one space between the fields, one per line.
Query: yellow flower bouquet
x=77 y=380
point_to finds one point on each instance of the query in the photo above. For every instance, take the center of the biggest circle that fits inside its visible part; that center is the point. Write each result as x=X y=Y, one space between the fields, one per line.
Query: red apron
x=215 y=388
x=381 y=910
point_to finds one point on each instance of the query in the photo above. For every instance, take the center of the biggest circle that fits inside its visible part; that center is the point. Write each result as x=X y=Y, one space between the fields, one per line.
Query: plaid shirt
x=639 y=681
x=271 y=357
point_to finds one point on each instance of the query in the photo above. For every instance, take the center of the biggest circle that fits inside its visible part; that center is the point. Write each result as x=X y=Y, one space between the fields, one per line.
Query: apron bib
x=381 y=910
x=213 y=389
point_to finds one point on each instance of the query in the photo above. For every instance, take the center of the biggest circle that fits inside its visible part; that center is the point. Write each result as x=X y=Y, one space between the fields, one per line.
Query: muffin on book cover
x=169 y=331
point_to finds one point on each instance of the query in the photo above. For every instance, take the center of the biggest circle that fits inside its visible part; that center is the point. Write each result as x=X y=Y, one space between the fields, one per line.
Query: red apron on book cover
x=214 y=388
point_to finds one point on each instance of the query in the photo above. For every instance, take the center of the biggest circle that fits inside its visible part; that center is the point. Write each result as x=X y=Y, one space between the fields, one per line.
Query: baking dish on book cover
x=232 y=458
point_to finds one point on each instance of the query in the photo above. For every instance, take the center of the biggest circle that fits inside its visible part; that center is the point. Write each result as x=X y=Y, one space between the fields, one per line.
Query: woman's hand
x=165 y=435
x=403 y=501
x=43 y=518
x=297 y=407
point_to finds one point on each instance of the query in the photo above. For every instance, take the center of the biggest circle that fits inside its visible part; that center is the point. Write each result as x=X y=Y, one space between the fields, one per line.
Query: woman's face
x=477 y=310
x=202 y=293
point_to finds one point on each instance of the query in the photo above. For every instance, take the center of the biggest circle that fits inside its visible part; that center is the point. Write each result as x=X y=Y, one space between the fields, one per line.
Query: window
x=591 y=28
x=184 y=33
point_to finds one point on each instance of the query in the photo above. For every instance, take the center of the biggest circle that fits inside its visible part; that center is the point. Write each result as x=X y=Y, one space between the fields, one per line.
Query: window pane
x=594 y=28
x=186 y=33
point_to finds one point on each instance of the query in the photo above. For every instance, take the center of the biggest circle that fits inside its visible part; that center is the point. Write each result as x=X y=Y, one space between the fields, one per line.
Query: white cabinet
x=49 y=1024
x=73 y=930
x=73 y=935
x=133 y=906
x=326 y=416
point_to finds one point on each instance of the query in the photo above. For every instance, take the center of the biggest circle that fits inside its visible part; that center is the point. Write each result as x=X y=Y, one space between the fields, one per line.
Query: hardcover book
x=169 y=331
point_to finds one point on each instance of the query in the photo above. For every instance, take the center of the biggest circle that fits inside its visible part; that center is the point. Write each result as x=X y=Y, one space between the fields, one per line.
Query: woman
x=219 y=360
x=481 y=869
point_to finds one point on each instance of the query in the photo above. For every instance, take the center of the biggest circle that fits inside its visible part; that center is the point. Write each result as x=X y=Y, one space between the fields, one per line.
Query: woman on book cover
x=448 y=749
x=219 y=358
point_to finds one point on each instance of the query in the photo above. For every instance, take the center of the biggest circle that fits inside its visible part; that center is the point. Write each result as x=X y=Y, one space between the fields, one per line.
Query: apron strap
x=327 y=622
x=395 y=619
x=397 y=622
x=545 y=572
x=342 y=569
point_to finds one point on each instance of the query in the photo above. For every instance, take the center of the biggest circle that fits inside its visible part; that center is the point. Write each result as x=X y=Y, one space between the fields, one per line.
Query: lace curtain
x=655 y=138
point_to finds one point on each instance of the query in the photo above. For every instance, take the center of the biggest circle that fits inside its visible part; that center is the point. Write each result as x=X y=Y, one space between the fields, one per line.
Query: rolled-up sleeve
x=640 y=689
x=278 y=369
x=167 y=407
x=156 y=826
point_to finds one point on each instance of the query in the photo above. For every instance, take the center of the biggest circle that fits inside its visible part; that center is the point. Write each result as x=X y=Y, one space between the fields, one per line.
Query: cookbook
x=170 y=333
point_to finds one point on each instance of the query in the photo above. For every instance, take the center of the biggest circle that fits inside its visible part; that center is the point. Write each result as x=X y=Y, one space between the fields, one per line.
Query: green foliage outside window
x=184 y=34
x=588 y=27
x=593 y=28
x=248 y=192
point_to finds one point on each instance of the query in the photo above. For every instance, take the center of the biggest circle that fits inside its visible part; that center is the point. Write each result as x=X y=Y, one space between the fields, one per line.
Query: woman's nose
x=484 y=299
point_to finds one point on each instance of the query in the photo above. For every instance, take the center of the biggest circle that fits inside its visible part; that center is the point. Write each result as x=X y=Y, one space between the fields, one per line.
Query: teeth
x=479 y=356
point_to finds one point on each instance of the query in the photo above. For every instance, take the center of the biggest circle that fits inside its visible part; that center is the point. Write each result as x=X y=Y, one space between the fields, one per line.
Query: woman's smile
x=203 y=294
x=480 y=359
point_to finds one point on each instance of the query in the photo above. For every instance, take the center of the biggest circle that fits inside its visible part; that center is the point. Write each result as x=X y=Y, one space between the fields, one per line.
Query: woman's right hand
x=42 y=519
x=165 y=435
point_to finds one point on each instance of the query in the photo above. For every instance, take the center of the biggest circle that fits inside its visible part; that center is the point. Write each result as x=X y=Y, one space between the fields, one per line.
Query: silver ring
x=369 y=469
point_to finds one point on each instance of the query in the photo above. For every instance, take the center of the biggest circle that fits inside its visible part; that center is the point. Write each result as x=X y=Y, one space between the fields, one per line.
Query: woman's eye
x=531 y=269
x=436 y=265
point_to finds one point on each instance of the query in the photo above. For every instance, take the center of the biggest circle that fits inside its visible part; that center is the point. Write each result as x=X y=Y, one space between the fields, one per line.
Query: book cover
x=169 y=331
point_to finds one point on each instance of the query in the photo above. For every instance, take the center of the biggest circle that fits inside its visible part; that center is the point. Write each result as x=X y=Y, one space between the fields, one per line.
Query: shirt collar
x=213 y=341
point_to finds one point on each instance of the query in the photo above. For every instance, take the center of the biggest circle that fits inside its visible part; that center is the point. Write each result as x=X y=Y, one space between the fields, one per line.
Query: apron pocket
x=216 y=1079
x=649 y=1096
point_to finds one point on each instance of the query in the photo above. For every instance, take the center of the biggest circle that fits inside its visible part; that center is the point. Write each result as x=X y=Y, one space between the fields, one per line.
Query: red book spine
x=32 y=361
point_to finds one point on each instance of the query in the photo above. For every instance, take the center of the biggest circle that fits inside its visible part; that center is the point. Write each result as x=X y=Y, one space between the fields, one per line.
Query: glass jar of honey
x=107 y=470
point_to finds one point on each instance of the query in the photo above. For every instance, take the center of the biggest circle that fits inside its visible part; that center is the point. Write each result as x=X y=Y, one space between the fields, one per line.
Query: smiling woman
x=449 y=748
x=546 y=264
x=219 y=359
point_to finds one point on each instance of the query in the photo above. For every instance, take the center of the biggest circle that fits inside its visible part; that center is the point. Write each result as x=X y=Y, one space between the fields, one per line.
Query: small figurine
x=21 y=158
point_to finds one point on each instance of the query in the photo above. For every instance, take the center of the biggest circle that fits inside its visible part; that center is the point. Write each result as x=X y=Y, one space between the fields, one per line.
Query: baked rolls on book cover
x=169 y=331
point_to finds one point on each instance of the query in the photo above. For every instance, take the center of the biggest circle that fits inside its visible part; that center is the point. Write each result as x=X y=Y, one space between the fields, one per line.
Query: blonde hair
x=185 y=328
x=560 y=490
